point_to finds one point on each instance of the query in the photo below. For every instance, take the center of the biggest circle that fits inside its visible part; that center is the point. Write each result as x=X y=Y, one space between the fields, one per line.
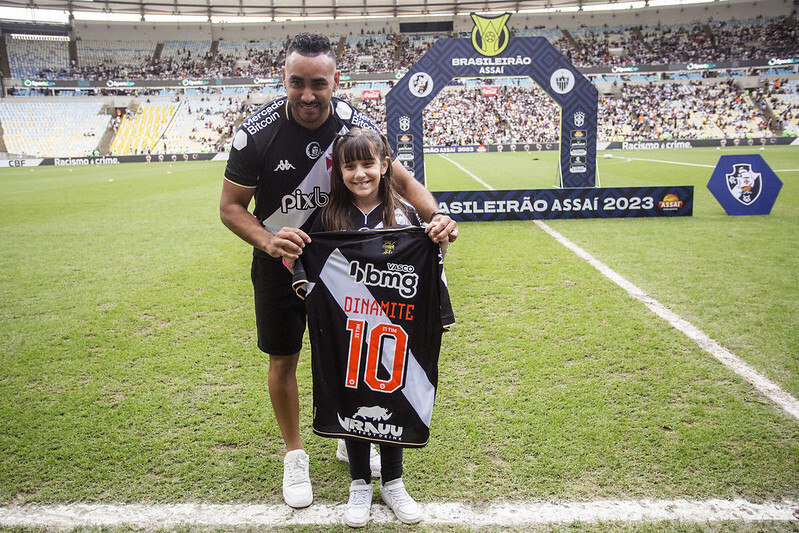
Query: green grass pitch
x=129 y=371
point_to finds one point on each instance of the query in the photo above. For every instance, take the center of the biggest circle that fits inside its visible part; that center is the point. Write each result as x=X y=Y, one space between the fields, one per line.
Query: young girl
x=363 y=196
x=362 y=191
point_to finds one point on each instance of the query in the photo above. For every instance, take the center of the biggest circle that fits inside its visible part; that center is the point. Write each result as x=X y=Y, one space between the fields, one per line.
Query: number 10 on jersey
x=379 y=339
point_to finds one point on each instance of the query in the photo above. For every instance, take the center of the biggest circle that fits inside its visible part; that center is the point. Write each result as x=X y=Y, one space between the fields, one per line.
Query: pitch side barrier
x=109 y=160
x=594 y=202
x=519 y=147
x=673 y=144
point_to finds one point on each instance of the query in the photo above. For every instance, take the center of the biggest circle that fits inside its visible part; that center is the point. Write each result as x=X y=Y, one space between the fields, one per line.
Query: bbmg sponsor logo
x=302 y=201
x=404 y=280
x=370 y=421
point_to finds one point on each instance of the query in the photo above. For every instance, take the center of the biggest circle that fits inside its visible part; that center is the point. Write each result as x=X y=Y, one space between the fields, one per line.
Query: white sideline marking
x=689 y=164
x=64 y=517
x=760 y=382
x=670 y=162
x=475 y=178
x=767 y=387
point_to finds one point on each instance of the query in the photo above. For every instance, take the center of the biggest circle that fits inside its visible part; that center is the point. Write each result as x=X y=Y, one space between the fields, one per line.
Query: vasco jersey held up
x=377 y=305
x=288 y=165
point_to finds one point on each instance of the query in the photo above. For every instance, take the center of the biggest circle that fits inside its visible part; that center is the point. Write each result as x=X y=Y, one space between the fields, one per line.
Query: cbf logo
x=579 y=119
x=405 y=123
x=743 y=183
x=490 y=36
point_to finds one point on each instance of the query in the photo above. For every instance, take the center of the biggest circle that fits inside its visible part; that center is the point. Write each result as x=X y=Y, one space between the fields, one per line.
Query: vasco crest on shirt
x=744 y=184
x=388 y=246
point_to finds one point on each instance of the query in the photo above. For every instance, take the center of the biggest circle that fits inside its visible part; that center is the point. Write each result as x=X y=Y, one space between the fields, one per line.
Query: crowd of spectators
x=246 y=62
x=692 y=110
x=781 y=96
x=388 y=52
x=369 y=53
x=178 y=67
x=524 y=114
x=699 y=42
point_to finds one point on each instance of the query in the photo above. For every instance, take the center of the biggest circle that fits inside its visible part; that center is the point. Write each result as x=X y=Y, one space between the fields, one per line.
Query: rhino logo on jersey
x=372 y=413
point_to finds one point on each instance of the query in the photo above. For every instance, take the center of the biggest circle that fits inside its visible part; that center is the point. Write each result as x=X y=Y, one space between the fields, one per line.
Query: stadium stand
x=141 y=130
x=40 y=128
x=247 y=58
x=39 y=57
x=782 y=97
x=198 y=126
x=669 y=103
x=105 y=54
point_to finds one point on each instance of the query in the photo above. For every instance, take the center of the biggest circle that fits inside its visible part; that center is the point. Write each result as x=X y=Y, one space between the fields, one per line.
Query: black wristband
x=437 y=212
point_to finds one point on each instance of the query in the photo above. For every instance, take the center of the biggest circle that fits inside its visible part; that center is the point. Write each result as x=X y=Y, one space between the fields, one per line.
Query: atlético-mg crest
x=744 y=184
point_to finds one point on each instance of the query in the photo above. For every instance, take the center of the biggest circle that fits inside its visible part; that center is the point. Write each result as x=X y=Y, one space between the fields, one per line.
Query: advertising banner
x=593 y=202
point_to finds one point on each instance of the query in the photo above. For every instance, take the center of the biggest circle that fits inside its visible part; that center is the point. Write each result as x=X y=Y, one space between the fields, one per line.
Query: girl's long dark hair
x=357 y=145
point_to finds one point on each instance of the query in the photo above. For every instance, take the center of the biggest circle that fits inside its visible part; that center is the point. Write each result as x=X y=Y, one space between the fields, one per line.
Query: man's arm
x=441 y=228
x=288 y=242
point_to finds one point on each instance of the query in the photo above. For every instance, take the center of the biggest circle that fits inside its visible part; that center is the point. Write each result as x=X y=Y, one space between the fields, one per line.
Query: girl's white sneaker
x=359 y=505
x=397 y=498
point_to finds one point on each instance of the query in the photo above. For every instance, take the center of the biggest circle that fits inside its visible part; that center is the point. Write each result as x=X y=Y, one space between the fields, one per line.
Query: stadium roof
x=281 y=10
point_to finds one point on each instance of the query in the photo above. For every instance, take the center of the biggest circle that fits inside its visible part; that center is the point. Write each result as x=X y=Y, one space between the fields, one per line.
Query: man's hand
x=288 y=244
x=442 y=229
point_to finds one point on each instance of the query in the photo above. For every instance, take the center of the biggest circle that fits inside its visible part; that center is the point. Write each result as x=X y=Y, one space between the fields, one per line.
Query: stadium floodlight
x=34 y=14
x=303 y=18
x=562 y=9
x=36 y=37
x=363 y=17
x=614 y=6
x=231 y=19
x=175 y=18
x=106 y=16
x=436 y=14
x=662 y=3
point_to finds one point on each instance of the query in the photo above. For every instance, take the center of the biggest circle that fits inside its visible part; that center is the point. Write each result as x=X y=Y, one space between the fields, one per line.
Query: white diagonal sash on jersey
x=420 y=393
x=317 y=177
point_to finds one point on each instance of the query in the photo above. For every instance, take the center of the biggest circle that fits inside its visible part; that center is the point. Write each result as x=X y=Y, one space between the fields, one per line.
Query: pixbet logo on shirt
x=302 y=201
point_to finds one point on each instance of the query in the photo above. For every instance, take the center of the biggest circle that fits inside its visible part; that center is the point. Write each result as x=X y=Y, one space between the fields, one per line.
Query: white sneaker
x=359 y=505
x=374 y=457
x=297 y=490
x=397 y=498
